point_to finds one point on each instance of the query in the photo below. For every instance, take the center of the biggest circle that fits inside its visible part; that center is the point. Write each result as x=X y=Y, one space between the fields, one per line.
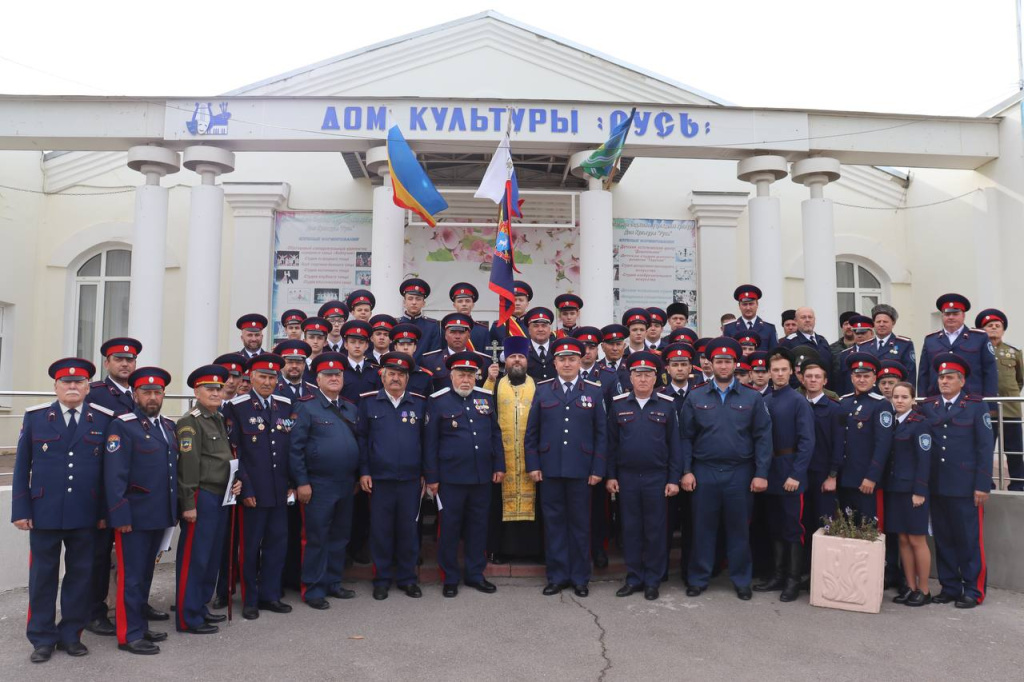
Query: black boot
x=796 y=567
x=778 y=580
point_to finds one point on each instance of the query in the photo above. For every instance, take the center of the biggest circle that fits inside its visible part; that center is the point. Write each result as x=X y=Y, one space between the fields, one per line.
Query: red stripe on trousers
x=302 y=551
x=28 y=619
x=183 y=579
x=803 y=531
x=241 y=551
x=880 y=510
x=121 y=619
x=981 y=546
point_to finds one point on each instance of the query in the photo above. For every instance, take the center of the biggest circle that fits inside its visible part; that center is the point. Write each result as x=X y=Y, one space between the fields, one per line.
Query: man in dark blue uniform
x=360 y=375
x=565 y=446
x=390 y=435
x=645 y=463
x=259 y=425
x=540 y=364
x=827 y=458
x=636 y=321
x=380 y=339
x=456 y=329
x=58 y=504
x=748 y=296
x=727 y=451
x=291 y=321
x=890 y=346
x=868 y=422
x=961 y=477
x=234 y=363
x=805 y=335
x=613 y=344
x=314 y=332
x=464 y=297
x=324 y=466
x=864 y=335
x=404 y=338
x=140 y=478
x=463 y=456
x=414 y=293
x=252 y=326
x=793 y=446
x=361 y=303
x=568 y=306
x=294 y=352
x=115 y=394
x=335 y=313
x=972 y=345
x=658 y=317
x=523 y=295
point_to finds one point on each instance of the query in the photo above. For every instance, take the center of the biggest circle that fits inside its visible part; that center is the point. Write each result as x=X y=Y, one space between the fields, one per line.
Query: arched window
x=101 y=290
x=857 y=288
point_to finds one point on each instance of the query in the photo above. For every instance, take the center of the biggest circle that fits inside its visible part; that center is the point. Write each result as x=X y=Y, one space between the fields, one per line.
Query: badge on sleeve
x=925 y=441
x=987 y=419
x=113 y=443
x=991 y=349
x=885 y=418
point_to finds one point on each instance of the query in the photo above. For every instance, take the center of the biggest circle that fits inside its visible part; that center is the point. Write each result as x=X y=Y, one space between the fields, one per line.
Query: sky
x=902 y=56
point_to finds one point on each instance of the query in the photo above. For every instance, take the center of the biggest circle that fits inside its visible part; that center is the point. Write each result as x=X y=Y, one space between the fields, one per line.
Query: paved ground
x=518 y=633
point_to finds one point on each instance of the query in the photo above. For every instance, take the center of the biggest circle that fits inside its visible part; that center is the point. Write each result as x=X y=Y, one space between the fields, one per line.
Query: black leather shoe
x=141 y=647
x=744 y=593
x=149 y=613
x=219 y=603
x=275 y=606
x=600 y=559
x=413 y=590
x=318 y=603
x=581 y=590
x=380 y=592
x=943 y=598
x=554 y=588
x=341 y=593
x=215 y=617
x=694 y=591
x=450 y=591
x=153 y=636
x=250 y=612
x=918 y=598
x=627 y=590
x=966 y=603
x=484 y=586
x=73 y=648
x=902 y=597
x=651 y=593
x=497 y=559
x=204 y=629
x=41 y=654
x=101 y=626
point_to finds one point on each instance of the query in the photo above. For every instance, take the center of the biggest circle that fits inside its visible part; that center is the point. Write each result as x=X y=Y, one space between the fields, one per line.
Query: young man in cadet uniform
x=972 y=345
x=1010 y=369
x=568 y=306
x=336 y=314
x=291 y=320
x=414 y=293
x=464 y=297
x=748 y=296
x=361 y=303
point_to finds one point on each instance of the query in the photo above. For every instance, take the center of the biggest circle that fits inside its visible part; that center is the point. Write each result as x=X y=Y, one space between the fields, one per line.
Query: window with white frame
x=102 y=286
x=857 y=288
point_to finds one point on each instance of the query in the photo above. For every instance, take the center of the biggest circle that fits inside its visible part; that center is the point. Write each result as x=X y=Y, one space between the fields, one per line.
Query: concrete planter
x=847 y=574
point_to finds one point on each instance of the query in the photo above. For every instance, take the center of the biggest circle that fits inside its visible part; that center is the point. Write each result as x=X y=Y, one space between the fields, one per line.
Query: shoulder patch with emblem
x=885 y=419
x=987 y=420
x=113 y=443
x=925 y=442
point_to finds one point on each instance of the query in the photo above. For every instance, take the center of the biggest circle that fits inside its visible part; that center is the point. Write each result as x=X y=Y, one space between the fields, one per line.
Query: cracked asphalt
x=520 y=634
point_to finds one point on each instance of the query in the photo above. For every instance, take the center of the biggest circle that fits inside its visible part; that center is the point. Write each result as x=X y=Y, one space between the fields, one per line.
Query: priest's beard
x=516 y=375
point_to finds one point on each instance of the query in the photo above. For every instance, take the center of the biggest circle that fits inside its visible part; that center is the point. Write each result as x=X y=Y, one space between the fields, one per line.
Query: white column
x=253 y=206
x=596 y=246
x=387 y=248
x=149 y=248
x=819 y=236
x=765 y=229
x=203 y=264
x=717 y=215
x=988 y=258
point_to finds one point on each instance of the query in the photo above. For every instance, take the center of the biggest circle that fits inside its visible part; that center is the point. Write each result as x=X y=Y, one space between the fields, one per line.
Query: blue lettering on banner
x=352 y=117
x=416 y=121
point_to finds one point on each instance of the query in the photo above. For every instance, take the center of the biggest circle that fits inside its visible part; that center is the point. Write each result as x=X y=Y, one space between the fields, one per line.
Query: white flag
x=499 y=170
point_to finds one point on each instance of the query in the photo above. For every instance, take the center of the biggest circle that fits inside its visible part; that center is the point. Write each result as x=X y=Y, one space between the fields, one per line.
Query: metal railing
x=175 y=405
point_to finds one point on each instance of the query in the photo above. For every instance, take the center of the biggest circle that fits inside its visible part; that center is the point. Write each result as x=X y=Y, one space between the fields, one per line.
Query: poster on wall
x=655 y=263
x=318 y=256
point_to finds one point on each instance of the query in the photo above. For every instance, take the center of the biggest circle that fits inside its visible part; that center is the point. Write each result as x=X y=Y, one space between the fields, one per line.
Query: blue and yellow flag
x=413 y=189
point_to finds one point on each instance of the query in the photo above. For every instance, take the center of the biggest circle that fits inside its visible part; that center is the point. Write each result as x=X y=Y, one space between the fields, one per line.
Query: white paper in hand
x=229 y=497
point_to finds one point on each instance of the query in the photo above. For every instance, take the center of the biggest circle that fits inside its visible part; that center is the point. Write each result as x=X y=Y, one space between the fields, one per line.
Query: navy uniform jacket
x=677 y=398
x=842 y=383
x=820 y=344
x=391 y=438
x=284 y=389
x=829 y=436
x=480 y=337
x=962 y=446
x=975 y=349
x=111 y=396
x=261 y=440
x=58 y=480
x=541 y=371
x=608 y=378
x=624 y=385
x=357 y=383
x=764 y=330
x=644 y=439
x=435 y=363
x=910 y=464
x=430 y=333
x=867 y=420
x=499 y=333
x=323 y=446
x=898 y=348
x=463 y=440
x=421 y=381
x=792 y=438
x=726 y=434
x=140 y=473
x=567 y=435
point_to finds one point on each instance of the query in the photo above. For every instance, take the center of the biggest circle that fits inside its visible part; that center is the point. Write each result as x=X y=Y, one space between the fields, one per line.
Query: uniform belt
x=784 y=451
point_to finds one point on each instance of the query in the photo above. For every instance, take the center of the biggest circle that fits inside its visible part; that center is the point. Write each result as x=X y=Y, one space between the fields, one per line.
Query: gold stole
x=518 y=492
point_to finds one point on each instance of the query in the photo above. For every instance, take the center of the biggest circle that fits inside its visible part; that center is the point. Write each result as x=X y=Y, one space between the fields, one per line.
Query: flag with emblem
x=499 y=185
x=604 y=162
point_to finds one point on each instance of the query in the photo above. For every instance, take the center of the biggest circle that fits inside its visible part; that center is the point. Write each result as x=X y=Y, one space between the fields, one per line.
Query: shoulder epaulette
x=666 y=397
x=593 y=383
x=282 y=399
x=431 y=352
x=484 y=355
x=435 y=394
x=980 y=331
x=915 y=416
x=701 y=384
x=621 y=396
x=424 y=369
x=753 y=388
x=876 y=396
x=934 y=333
x=481 y=324
x=606 y=368
x=100 y=408
x=835 y=400
x=367 y=394
x=341 y=397
x=427 y=319
x=546 y=381
x=306 y=398
x=972 y=398
x=37 y=407
x=483 y=390
x=848 y=349
x=903 y=338
x=1013 y=348
x=791 y=336
x=418 y=395
x=848 y=395
x=239 y=399
x=97 y=384
x=195 y=413
x=128 y=416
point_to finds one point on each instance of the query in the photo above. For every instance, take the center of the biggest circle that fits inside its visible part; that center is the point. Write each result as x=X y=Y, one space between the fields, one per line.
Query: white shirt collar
x=814 y=400
x=952 y=336
x=394 y=401
x=948 y=402
x=883 y=341
x=353 y=364
x=900 y=418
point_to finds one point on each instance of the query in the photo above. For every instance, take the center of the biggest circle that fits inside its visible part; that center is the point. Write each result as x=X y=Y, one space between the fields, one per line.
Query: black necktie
x=72 y=422
x=568 y=387
x=297 y=390
x=541 y=354
x=949 y=406
x=336 y=404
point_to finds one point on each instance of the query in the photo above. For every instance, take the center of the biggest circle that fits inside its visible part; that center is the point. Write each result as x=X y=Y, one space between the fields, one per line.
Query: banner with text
x=655 y=263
